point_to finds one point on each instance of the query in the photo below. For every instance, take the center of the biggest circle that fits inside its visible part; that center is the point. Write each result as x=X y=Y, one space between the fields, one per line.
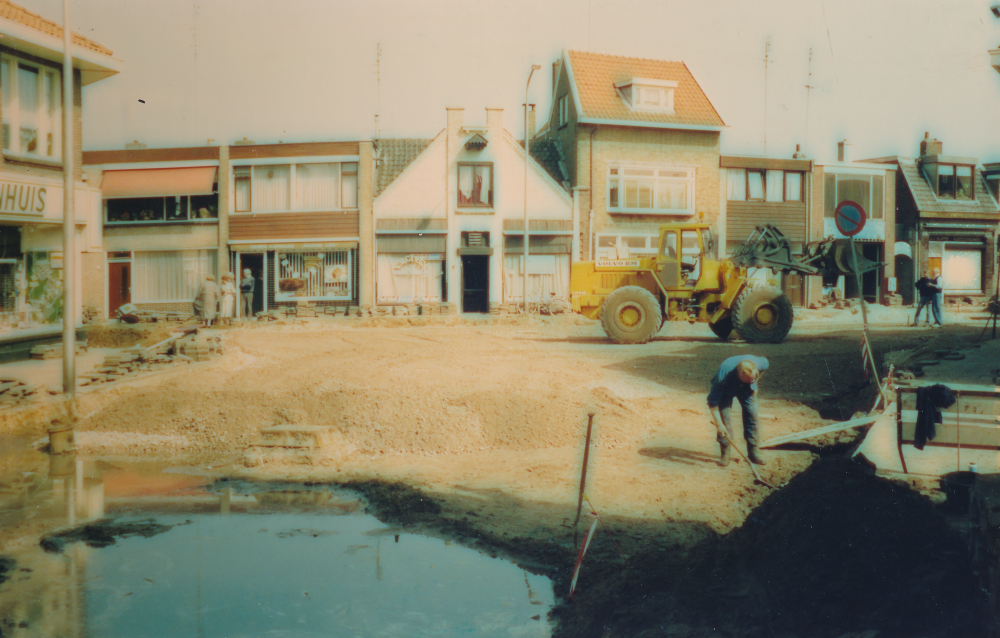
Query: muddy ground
x=475 y=429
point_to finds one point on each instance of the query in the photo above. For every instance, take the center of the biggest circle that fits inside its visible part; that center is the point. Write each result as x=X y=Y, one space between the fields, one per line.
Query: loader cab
x=683 y=251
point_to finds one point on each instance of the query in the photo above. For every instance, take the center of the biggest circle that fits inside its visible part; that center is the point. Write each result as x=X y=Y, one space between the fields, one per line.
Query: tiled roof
x=17 y=13
x=597 y=74
x=549 y=154
x=394 y=156
x=927 y=202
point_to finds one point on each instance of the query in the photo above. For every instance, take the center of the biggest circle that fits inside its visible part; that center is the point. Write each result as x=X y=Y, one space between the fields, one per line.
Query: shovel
x=756 y=475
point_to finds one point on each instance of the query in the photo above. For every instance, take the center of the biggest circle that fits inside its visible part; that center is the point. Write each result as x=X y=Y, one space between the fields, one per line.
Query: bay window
x=274 y=188
x=32 y=109
x=650 y=189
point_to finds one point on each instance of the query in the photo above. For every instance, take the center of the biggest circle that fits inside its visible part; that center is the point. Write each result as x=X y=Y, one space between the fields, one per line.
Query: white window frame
x=563 y=109
x=293 y=204
x=634 y=91
x=47 y=124
x=689 y=181
x=764 y=179
x=621 y=247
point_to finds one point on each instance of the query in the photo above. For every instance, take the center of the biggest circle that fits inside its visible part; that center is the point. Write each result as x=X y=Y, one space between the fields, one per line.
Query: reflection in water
x=235 y=561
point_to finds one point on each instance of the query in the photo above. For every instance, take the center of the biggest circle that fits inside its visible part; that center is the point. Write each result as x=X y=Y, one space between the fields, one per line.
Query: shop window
x=475 y=184
x=180 y=208
x=655 y=190
x=312 y=275
x=410 y=278
x=548 y=277
x=32 y=109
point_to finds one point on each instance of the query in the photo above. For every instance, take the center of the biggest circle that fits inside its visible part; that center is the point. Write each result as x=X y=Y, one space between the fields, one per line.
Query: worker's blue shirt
x=727 y=377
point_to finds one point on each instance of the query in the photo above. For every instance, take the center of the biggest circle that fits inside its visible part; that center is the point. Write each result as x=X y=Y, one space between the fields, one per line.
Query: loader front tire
x=631 y=315
x=762 y=314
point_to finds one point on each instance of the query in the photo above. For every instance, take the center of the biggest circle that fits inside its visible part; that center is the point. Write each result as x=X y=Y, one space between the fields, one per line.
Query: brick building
x=947 y=218
x=641 y=145
x=296 y=215
x=31 y=173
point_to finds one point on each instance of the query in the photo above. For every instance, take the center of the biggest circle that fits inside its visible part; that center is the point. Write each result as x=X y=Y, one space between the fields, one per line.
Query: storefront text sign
x=22 y=199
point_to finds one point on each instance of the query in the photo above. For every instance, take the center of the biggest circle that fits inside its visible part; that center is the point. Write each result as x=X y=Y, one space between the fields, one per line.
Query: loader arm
x=768 y=247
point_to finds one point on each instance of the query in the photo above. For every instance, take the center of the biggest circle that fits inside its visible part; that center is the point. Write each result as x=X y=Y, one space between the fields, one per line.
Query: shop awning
x=158 y=182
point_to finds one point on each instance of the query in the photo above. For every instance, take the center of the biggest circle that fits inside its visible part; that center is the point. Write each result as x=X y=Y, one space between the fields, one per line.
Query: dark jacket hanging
x=930 y=400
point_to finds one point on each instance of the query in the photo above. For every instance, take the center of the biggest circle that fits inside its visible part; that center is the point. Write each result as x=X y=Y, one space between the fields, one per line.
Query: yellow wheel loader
x=684 y=281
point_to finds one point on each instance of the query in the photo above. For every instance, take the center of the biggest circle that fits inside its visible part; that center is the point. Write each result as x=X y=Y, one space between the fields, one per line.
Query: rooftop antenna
x=767 y=52
x=378 y=92
x=809 y=88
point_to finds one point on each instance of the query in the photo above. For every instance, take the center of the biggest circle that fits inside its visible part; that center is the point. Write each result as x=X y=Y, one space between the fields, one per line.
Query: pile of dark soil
x=837 y=551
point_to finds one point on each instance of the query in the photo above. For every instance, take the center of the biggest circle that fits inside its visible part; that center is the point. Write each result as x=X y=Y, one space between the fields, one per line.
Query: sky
x=215 y=71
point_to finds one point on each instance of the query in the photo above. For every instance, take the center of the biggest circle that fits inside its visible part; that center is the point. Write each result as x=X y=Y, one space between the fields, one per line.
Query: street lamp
x=527 y=157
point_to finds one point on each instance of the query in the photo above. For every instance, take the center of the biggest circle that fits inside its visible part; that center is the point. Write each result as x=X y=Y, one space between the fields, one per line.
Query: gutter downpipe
x=69 y=222
x=527 y=158
x=590 y=222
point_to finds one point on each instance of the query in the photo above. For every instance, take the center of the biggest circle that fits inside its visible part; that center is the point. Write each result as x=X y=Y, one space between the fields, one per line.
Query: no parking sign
x=850 y=218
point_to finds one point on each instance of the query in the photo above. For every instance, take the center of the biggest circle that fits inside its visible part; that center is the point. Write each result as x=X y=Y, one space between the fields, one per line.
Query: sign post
x=850 y=218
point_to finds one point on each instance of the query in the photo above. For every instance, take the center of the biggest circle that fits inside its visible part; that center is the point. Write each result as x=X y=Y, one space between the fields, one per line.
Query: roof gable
x=394 y=155
x=595 y=78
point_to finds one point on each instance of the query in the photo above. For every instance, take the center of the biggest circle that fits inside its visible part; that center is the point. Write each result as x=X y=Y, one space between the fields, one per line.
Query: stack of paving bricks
x=495 y=308
x=305 y=309
x=15 y=391
x=447 y=308
x=893 y=299
x=199 y=348
x=115 y=366
x=55 y=350
x=160 y=316
x=92 y=315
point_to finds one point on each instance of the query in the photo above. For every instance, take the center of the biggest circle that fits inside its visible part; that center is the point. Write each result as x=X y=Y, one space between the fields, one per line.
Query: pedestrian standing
x=937 y=288
x=206 y=301
x=246 y=294
x=736 y=379
x=926 y=302
x=228 y=298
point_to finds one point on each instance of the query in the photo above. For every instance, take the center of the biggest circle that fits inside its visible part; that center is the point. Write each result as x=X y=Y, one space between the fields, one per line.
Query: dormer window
x=645 y=94
x=954 y=181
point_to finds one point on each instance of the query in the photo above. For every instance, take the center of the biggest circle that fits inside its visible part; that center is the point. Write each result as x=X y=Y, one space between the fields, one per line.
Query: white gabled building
x=449 y=220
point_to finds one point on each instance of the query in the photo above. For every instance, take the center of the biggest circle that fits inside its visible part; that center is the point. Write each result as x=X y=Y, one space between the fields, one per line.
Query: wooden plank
x=826 y=429
x=294 y=225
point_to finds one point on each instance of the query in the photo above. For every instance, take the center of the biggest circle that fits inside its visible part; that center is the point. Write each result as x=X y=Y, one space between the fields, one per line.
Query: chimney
x=929 y=146
x=844 y=151
x=530 y=133
x=494 y=123
x=798 y=152
x=135 y=146
x=454 y=128
x=244 y=142
x=555 y=77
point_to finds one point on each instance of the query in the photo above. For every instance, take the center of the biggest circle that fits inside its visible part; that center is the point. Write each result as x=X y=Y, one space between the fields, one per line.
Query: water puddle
x=99 y=551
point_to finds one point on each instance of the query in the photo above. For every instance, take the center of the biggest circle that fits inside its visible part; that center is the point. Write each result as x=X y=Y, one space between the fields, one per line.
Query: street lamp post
x=527 y=158
x=69 y=223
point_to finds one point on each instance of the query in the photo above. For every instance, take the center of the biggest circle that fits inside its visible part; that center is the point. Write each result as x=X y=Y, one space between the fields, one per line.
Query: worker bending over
x=736 y=379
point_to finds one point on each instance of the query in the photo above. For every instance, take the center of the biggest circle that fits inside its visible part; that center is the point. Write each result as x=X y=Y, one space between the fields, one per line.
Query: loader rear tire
x=631 y=315
x=762 y=314
x=723 y=327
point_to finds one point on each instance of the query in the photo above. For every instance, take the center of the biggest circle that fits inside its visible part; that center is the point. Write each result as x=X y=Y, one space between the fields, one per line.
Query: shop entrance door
x=119 y=285
x=475 y=283
x=8 y=285
x=255 y=263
